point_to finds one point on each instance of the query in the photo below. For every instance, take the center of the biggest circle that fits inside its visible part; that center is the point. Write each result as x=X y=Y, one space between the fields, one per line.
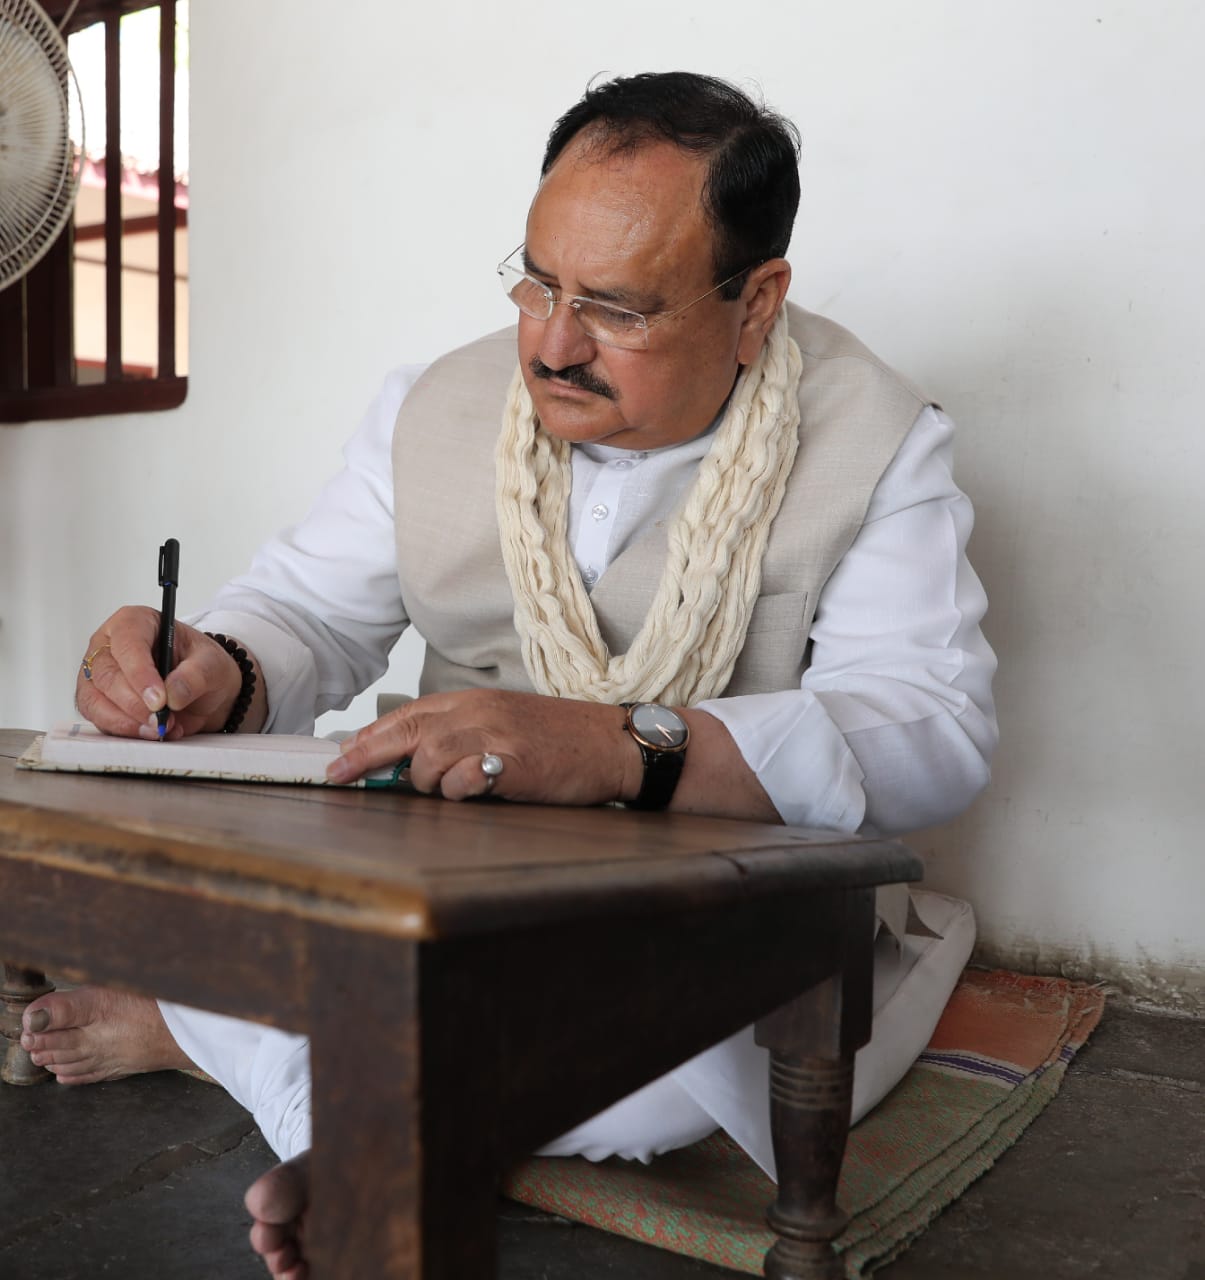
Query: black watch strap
x=662 y=769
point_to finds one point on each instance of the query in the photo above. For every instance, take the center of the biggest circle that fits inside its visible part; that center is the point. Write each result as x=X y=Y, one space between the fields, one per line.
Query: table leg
x=20 y=988
x=809 y=1108
x=404 y=1167
x=812 y=1042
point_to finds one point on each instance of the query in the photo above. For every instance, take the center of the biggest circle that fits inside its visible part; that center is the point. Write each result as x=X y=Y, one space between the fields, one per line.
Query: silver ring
x=491 y=766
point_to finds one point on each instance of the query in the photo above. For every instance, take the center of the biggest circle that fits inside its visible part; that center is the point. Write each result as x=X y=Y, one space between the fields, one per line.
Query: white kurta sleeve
x=893 y=726
x=320 y=605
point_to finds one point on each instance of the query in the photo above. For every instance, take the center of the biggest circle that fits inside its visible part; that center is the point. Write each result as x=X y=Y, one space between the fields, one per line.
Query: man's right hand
x=126 y=689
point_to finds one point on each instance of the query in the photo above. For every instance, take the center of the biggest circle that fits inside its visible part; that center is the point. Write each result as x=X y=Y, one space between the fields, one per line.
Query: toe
x=61 y=1009
x=277 y=1247
x=86 y=1071
x=56 y=1058
x=76 y=1069
x=268 y=1238
x=282 y=1194
x=69 y=1042
x=36 y=1019
x=281 y=1261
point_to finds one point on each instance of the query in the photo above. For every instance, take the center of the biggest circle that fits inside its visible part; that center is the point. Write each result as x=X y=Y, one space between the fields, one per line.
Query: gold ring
x=87 y=663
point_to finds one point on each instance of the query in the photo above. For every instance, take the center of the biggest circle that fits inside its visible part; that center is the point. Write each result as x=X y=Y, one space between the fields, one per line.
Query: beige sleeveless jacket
x=854 y=414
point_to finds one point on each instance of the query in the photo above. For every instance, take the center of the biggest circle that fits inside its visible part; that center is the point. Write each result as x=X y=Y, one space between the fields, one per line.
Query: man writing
x=674 y=544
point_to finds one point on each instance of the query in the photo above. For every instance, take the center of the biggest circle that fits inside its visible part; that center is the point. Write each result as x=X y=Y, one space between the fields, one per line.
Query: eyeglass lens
x=603 y=322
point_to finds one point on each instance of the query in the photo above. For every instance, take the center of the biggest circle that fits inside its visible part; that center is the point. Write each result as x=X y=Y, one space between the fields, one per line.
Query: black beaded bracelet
x=247 y=692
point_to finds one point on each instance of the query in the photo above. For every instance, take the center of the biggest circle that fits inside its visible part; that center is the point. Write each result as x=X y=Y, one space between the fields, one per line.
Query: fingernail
x=37 y=1021
x=26 y=1041
x=150 y=730
x=153 y=698
x=339 y=770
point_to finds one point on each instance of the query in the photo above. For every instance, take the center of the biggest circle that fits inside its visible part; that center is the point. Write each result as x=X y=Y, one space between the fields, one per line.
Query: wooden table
x=475 y=978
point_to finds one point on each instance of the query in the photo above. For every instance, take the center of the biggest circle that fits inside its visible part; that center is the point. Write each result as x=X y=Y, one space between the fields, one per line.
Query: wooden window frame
x=37 y=365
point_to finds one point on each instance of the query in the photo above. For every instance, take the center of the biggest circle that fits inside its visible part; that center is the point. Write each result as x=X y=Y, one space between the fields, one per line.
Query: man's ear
x=764 y=293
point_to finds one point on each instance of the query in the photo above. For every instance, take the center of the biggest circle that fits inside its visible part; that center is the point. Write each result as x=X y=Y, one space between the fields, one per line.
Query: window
x=100 y=324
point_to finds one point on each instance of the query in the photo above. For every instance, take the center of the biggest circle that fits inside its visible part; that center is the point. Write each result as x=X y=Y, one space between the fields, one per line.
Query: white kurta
x=892 y=726
x=891 y=729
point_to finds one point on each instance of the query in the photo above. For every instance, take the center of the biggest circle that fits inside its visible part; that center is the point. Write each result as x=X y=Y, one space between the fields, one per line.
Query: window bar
x=167 y=189
x=48 y=298
x=113 y=198
x=13 y=339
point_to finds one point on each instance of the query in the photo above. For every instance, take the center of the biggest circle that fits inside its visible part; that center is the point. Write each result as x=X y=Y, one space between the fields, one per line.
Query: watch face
x=660 y=727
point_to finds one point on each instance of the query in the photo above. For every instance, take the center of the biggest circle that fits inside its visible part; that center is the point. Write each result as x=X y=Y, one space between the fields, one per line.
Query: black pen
x=169 y=576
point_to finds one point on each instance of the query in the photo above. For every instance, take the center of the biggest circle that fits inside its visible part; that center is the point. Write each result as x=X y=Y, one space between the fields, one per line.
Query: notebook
x=228 y=757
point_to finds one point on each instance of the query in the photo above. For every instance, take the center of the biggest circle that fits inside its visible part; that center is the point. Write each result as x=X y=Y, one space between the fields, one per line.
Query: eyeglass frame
x=573 y=301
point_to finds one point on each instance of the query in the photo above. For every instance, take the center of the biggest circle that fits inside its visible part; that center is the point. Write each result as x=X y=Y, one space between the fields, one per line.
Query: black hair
x=751 y=190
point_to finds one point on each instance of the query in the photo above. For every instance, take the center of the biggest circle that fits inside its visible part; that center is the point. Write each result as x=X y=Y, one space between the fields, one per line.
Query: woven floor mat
x=996 y=1059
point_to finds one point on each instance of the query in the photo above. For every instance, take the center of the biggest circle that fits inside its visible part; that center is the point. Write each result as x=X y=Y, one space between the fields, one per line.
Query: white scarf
x=695 y=627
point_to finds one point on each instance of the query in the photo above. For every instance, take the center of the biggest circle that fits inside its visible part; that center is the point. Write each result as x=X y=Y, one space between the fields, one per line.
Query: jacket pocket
x=782 y=612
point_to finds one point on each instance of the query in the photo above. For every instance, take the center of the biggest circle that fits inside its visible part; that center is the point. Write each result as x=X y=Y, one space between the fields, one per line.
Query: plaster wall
x=1003 y=201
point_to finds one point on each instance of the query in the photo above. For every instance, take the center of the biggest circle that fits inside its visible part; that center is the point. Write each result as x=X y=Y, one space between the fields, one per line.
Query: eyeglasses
x=610 y=325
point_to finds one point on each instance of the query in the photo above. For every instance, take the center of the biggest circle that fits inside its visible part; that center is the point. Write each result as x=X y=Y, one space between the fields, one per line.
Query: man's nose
x=564 y=341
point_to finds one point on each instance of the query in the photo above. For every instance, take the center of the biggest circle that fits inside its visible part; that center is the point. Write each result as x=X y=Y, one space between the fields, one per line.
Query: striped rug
x=996 y=1059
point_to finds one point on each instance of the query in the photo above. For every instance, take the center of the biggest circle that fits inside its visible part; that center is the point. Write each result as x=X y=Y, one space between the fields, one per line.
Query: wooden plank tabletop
x=411 y=866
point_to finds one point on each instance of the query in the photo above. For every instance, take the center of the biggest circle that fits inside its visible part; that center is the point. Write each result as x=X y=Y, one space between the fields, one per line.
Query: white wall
x=1005 y=201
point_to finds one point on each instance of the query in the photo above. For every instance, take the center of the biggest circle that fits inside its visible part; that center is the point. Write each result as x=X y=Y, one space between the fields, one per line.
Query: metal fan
x=41 y=136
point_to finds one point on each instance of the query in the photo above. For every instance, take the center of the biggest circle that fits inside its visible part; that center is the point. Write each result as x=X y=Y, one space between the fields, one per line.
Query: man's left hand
x=553 y=750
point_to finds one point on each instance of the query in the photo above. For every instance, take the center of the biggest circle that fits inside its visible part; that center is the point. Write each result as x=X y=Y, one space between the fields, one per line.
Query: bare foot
x=278 y=1202
x=91 y=1034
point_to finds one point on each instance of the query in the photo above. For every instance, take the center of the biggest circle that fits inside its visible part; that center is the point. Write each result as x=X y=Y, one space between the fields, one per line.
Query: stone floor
x=143 y=1180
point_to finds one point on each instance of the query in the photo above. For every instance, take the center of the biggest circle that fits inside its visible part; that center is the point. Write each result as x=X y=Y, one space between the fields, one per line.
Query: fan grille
x=41 y=136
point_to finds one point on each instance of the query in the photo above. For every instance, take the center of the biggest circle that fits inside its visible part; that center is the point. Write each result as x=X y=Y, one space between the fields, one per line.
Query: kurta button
x=589 y=576
x=600 y=511
x=624 y=464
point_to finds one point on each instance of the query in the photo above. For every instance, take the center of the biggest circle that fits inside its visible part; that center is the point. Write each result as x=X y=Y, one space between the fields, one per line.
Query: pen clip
x=169 y=563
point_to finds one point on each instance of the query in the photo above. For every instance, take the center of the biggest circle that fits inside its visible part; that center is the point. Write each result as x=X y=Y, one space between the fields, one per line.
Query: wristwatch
x=662 y=735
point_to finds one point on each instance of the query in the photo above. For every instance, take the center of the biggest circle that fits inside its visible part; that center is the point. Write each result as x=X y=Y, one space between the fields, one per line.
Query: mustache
x=576 y=375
